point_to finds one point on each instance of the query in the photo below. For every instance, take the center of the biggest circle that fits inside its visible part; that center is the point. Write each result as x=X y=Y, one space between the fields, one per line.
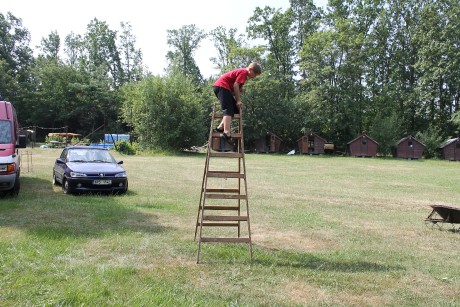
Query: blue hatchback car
x=84 y=168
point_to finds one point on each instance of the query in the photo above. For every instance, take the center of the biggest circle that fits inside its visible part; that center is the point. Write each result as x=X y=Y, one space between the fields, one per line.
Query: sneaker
x=227 y=139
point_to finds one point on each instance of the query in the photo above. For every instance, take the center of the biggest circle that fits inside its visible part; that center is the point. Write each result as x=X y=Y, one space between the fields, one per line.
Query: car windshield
x=5 y=132
x=89 y=155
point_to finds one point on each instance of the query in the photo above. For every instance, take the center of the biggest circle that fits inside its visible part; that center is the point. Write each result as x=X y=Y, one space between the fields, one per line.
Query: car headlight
x=75 y=174
x=121 y=174
x=7 y=169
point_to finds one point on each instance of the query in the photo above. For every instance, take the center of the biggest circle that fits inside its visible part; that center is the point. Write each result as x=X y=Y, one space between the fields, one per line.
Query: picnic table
x=442 y=214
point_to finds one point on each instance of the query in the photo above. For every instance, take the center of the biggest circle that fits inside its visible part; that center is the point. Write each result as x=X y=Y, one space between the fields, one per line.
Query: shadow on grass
x=43 y=210
x=284 y=258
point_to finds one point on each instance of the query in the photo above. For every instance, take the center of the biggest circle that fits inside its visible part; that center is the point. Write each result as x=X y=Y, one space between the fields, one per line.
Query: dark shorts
x=227 y=101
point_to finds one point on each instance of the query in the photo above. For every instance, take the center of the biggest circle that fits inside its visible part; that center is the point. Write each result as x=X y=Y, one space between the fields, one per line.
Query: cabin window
x=410 y=144
x=457 y=145
x=364 y=141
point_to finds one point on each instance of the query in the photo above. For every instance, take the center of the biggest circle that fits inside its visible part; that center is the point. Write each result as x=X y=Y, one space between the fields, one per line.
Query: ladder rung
x=225 y=218
x=220 y=115
x=233 y=135
x=226 y=154
x=214 y=224
x=222 y=190
x=226 y=240
x=224 y=196
x=221 y=208
x=225 y=174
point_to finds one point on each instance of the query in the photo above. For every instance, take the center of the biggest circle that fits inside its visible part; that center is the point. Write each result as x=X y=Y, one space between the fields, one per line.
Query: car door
x=59 y=165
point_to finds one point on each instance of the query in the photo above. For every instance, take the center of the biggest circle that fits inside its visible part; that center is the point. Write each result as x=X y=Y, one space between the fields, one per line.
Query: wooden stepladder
x=224 y=210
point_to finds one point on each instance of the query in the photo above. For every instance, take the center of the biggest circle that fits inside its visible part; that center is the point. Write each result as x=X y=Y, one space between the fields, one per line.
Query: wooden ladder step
x=221 y=190
x=224 y=196
x=218 y=115
x=226 y=154
x=233 y=135
x=226 y=240
x=219 y=224
x=225 y=174
x=225 y=218
x=236 y=208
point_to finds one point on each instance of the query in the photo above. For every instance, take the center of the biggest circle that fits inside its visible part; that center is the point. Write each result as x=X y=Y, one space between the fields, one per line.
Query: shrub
x=127 y=148
x=432 y=139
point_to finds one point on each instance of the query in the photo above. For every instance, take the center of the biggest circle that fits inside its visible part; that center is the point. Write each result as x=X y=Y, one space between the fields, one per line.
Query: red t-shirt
x=227 y=80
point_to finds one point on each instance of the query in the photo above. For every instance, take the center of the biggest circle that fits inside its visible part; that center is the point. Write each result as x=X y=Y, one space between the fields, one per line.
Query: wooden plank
x=217 y=224
x=220 y=116
x=222 y=190
x=224 y=196
x=225 y=218
x=233 y=135
x=226 y=240
x=226 y=154
x=225 y=174
x=221 y=208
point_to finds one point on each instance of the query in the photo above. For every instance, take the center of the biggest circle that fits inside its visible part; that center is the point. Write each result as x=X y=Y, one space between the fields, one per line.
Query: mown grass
x=334 y=231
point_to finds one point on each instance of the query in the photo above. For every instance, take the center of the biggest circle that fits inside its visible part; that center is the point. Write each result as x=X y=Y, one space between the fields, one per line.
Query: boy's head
x=254 y=70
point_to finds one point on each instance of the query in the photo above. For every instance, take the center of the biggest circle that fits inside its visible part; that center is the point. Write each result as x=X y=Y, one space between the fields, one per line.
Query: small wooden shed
x=362 y=146
x=311 y=143
x=270 y=143
x=451 y=149
x=409 y=148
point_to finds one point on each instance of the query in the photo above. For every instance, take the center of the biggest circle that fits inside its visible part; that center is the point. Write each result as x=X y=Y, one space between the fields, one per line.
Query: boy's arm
x=236 y=91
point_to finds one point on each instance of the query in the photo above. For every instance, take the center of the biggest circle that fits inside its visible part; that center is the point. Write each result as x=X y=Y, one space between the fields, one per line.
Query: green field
x=327 y=231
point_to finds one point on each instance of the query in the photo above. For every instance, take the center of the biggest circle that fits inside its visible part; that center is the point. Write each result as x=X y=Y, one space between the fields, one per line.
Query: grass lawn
x=335 y=231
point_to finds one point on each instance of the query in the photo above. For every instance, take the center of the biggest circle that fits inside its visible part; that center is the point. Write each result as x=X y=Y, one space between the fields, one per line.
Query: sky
x=149 y=21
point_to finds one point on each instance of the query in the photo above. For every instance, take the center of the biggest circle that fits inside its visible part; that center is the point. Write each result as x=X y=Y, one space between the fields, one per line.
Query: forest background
x=385 y=68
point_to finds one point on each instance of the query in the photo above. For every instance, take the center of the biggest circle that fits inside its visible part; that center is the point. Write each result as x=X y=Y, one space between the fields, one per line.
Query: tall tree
x=437 y=62
x=102 y=50
x=306 y=18
x=232 y=50
x=275 y=27
x=16 y=60
x=131 y=58
x=50 y=45
x=74 y=49
x=184 y=42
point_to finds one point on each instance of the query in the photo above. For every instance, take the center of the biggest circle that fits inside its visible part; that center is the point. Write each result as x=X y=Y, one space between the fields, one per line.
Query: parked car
x=10 y=140
x=85 y=168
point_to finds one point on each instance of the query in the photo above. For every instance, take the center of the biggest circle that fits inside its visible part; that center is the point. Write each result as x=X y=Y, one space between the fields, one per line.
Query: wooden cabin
x=451 y=149
x=409 y=148
x=311 y=143
x=270 y=143
x=363 y=146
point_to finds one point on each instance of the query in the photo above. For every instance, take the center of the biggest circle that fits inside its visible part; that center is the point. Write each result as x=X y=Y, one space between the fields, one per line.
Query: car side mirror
x=120 y=162
x=60 y=161
x=22 y=141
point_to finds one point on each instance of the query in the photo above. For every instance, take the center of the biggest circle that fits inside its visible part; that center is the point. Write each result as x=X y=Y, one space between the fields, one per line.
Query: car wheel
x=126 y=189
x=55 y=182
x=16 y=187
x=65 y=186
x=121 y=192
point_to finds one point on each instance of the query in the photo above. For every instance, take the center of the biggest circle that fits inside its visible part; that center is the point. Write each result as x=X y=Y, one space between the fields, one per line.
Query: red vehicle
x=10 y=141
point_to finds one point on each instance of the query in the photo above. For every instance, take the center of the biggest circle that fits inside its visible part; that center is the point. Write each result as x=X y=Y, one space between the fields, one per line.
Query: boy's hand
x=239 y=104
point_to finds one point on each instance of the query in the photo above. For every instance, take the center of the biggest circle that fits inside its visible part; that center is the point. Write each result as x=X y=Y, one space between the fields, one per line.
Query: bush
x=127 y=148
x=432 y=139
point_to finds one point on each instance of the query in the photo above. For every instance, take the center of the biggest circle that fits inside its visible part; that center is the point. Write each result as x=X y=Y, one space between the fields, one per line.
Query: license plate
x=102 y=182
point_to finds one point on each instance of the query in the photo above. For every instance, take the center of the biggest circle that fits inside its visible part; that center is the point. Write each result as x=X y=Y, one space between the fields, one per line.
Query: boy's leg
x=228 y=105
x=227 y=122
